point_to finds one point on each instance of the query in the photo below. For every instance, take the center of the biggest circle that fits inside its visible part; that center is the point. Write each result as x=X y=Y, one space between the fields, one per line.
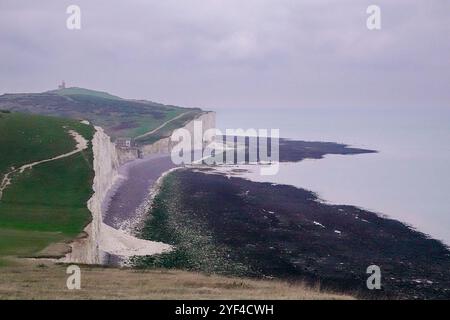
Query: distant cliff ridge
x=119 y=118
x=165 y=144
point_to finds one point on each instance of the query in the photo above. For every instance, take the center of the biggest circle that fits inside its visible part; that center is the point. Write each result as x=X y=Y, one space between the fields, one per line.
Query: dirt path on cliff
x=80 y=146
x=161 y=126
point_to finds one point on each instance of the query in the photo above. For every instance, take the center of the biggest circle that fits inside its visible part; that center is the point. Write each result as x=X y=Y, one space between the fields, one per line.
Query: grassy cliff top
x=46 y=203
x=121 y=118
x=26 y=138
x=87 y=92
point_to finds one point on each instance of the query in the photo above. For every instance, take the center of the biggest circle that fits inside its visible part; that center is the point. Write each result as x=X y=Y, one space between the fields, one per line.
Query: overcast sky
x=233 y=53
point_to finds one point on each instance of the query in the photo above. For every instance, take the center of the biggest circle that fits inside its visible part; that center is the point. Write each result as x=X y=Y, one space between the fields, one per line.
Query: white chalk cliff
x=98 y=238
x=165 y=145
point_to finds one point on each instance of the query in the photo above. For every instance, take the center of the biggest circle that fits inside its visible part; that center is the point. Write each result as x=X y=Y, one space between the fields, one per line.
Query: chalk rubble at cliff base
x=99 y=238
x=118 y=243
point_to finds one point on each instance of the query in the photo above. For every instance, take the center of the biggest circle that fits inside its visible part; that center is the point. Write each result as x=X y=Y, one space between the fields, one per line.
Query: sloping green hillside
x=119 y=117
x=46 y=203
x=85 y=92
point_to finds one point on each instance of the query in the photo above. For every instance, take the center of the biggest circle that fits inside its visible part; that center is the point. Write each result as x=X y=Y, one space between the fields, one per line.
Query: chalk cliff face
x=208 y=120
x=97 y=238
x=86 y=249
x=125 y=156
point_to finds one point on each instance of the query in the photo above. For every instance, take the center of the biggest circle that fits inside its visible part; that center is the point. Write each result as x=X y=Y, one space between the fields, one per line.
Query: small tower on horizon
x=62 y=85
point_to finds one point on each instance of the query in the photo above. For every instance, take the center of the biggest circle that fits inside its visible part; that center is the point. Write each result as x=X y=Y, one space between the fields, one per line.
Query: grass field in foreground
x=31 y=279
x=48 y=202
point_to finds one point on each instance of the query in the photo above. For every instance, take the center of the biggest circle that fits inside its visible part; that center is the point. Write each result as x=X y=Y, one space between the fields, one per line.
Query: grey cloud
x=229 y=53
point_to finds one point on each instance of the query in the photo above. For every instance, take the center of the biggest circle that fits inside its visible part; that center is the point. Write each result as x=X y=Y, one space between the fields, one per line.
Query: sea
x=407 y=180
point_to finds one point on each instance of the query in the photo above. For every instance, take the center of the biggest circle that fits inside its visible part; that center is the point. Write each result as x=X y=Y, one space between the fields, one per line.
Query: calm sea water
x=409 y=179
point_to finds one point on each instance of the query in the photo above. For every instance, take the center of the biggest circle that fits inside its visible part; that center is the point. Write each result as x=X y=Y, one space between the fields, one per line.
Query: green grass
x=82 y=91
x=48 y=202
x=25 y=243
x=167 y=130
x=119 y=117
x=126 y=118
x=146 y=126
x=28 y=138
x=50 y=197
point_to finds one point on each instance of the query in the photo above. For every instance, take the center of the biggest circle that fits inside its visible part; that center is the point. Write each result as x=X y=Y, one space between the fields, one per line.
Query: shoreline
x=144 y=215
x=128 y=174
x=241 y=172
x=333 y=180
x=264 y=230
x=136 y=184
x=100 y=241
